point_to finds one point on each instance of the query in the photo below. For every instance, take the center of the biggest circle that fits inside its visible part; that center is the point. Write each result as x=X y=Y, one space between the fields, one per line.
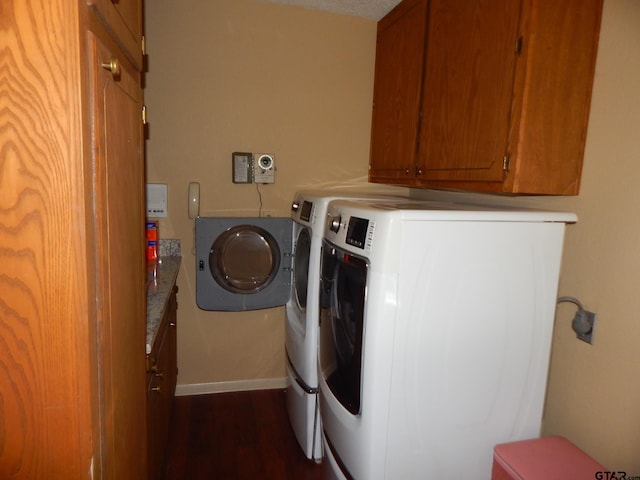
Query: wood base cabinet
x=162 y=374
x=484 y=95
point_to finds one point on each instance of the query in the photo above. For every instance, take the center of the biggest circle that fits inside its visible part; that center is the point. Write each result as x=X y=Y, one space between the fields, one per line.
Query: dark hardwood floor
x=239 y=435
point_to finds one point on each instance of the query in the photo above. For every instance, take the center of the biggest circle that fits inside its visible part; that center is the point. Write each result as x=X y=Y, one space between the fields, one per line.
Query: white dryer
x=308 y=212
x=435 y=335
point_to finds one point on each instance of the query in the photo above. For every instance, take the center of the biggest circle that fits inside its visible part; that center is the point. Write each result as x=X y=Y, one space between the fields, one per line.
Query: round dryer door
x=301 y=267
x=244 y=259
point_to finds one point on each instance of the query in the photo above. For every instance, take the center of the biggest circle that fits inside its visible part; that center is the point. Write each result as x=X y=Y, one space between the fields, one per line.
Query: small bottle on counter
x=152 y=241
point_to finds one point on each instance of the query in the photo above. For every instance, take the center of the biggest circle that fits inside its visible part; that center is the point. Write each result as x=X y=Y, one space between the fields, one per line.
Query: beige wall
x=230 y=75
x=594 y=391
x=240 y=75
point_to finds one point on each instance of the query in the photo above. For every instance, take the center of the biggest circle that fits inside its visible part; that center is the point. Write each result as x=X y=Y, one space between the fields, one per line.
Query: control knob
x=334 y=223
x=295 y=206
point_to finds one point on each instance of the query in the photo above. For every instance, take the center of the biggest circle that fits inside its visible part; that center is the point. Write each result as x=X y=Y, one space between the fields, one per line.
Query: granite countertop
x=161 y=277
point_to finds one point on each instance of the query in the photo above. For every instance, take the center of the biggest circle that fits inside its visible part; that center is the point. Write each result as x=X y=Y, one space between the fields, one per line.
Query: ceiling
x=373 y=9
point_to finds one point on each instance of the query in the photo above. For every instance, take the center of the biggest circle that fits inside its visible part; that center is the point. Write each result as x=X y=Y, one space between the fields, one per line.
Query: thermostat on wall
x=156 y=200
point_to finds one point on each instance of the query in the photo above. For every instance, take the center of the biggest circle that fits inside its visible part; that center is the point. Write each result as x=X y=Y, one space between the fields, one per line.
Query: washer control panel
x=360 y=232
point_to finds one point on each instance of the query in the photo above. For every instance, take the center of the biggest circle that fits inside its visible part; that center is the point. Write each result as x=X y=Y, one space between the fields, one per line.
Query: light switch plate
x=156 y=200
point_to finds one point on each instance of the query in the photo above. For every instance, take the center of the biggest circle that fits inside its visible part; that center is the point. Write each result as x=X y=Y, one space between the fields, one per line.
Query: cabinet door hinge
x=519 y=45
x=506 y=162
x=144 y=114
x=143 y=45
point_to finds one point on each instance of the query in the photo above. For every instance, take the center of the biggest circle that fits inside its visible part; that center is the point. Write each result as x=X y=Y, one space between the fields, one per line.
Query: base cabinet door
x=162 y=373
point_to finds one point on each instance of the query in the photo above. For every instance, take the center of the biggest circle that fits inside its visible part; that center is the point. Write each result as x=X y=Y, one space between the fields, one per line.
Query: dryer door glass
x=301 y=267
x=244 y=259
x=343 y=290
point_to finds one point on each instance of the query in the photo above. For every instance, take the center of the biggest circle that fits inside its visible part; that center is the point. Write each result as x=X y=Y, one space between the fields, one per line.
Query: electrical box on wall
x=263 y=168
x=253 y=167
x=242 y=167
x=156 y=200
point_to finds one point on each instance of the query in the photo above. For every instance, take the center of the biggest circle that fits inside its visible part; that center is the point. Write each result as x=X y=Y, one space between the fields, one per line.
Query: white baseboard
x=233 y=386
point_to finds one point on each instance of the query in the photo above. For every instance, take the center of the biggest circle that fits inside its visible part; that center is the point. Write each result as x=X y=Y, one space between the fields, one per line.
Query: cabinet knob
x=113 y=66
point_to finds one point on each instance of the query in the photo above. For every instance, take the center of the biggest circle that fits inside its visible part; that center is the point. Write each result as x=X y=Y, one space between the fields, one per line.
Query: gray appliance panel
x=210 y=295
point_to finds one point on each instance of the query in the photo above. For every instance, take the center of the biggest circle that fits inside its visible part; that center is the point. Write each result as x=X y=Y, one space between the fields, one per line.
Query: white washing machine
x=308 y=212
x=435 y=334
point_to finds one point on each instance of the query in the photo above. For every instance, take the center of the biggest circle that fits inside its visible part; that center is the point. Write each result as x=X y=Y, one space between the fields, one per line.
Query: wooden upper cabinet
x=552 y=96
x=468 y=87
x=123 y=20
x=396 y=97
x=504 y=96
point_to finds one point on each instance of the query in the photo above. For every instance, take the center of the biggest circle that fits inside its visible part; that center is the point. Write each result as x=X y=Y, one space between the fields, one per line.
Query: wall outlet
x=583 y=324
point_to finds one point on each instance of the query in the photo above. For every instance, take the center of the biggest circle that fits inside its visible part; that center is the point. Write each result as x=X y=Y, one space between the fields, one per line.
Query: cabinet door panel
x=162 y=387
x=550 y=120
x=399 y=63
x=468 y=88
x=119 y=205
